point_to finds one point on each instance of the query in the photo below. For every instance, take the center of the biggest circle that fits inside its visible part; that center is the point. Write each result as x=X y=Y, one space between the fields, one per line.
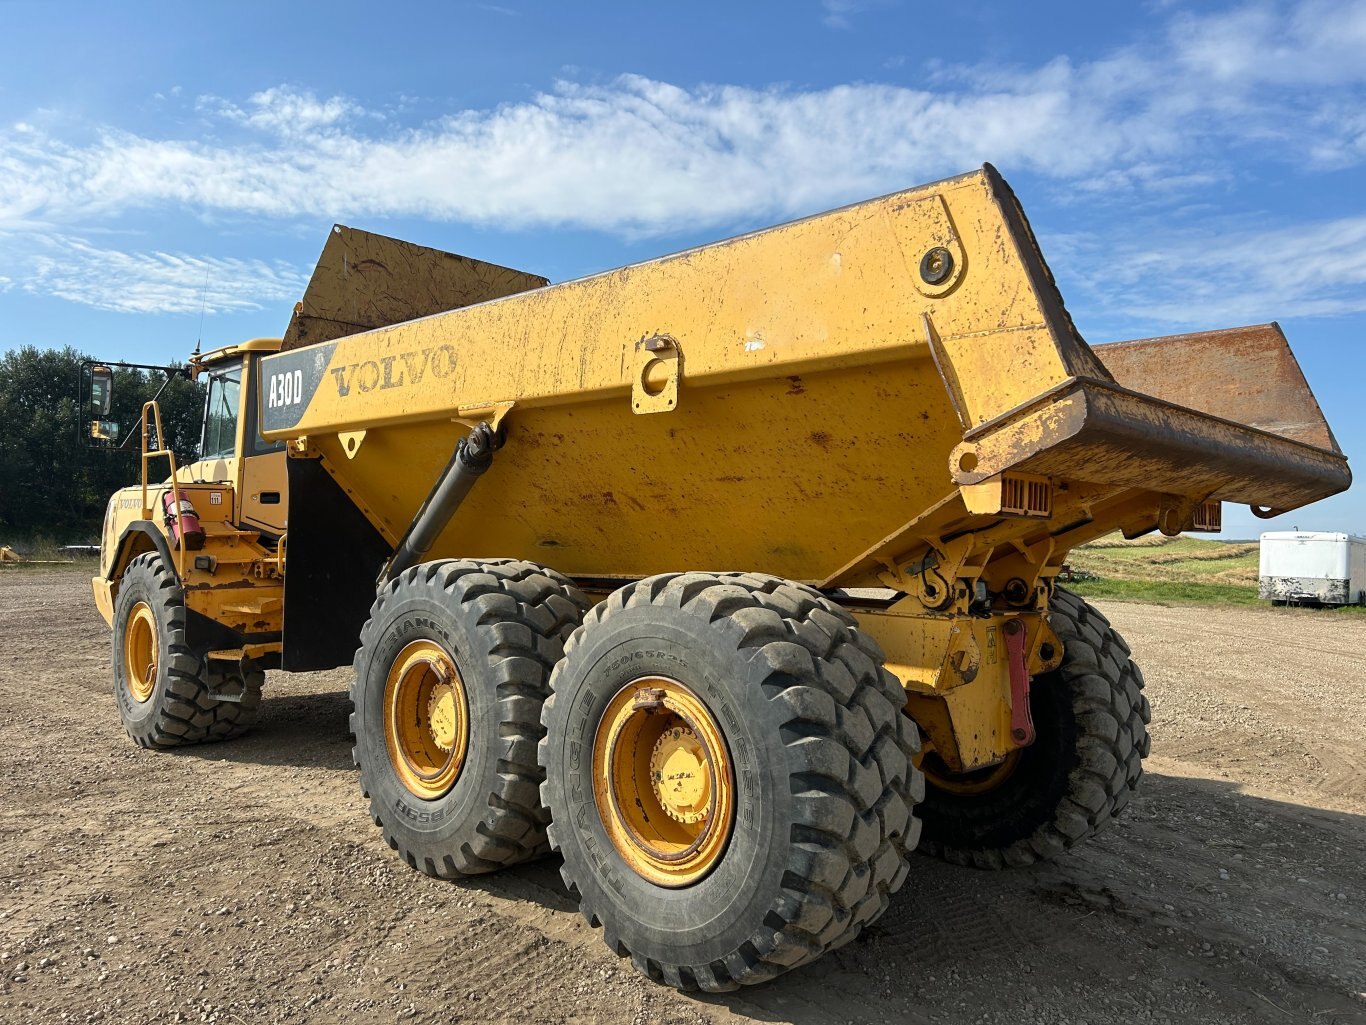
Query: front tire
x=1091 y=736
x=167 y=695
x=453 y=668
x=728 y=770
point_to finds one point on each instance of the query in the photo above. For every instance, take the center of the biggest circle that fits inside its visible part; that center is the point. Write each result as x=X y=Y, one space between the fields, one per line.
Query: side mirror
x=96 y=402
x=96 y=423
x=101 y=391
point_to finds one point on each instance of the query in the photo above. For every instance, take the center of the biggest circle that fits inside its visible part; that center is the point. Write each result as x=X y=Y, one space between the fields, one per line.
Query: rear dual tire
x=453 y=668
x=810 y=768
x=1091 y=722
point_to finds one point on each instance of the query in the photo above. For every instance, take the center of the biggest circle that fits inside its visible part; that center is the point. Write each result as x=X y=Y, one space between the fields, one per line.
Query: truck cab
x=231 y=574
x=232 y=450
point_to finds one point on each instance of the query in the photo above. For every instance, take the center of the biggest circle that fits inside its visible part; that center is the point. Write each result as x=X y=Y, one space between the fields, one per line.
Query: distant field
x=1170 y=560
x=1165 y=570
x=1179 y=570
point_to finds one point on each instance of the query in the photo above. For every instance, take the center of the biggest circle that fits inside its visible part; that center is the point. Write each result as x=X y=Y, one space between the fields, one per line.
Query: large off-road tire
x=447 y=746
x=1091 y=736
x=165 y=692
x=799 y=813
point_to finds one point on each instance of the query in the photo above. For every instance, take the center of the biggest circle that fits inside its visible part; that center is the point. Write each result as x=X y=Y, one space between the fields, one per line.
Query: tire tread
x=854 y=779
x=187 y=712
x=524 y=613
x=1112 y=715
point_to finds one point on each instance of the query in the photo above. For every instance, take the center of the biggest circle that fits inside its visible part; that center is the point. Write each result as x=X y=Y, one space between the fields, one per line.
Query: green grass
x=1167 y=592
x=1173 y=571
x=1159 y=592
x=1169 y=560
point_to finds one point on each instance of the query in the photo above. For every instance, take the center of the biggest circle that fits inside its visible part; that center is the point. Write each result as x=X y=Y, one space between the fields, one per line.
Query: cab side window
x=220 y=414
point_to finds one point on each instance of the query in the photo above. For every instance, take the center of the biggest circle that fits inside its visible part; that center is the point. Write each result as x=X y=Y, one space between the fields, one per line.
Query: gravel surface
x=243 y=883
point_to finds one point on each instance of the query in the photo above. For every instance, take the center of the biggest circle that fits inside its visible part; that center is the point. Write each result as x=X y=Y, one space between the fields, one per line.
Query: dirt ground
x=243 y=883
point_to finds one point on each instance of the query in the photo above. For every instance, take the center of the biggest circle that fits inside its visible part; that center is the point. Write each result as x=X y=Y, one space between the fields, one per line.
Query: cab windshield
x=220 y=412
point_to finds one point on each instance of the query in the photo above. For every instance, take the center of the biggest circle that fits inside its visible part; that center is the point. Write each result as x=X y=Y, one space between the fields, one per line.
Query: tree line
x=53 y=483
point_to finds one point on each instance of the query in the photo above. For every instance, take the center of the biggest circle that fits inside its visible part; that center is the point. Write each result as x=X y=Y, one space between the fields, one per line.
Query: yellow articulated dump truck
x=730 y=576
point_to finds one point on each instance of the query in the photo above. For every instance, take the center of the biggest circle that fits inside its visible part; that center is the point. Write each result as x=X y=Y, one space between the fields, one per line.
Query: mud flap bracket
x=1021 y=720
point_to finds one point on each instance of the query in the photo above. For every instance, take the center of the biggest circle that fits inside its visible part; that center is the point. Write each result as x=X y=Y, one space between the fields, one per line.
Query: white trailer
x=1321 y=567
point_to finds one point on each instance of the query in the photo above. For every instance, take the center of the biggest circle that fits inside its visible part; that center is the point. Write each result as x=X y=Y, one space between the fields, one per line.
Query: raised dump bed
x=724 y=573
x=817 y=400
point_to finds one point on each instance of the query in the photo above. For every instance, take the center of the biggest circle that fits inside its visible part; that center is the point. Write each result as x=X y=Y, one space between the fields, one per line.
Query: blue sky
x=1186 y=166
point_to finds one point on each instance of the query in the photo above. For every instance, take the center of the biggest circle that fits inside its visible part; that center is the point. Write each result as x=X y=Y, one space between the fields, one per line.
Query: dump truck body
x=822 y=401
x=751 y=540
x=810 y=383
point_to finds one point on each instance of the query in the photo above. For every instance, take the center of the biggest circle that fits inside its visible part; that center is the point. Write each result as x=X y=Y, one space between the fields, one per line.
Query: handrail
x=147 y=457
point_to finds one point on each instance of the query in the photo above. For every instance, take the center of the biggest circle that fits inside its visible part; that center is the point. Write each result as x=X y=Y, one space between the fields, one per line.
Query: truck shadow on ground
x=1201 y=903
x=305 y=731
x=1205 y=904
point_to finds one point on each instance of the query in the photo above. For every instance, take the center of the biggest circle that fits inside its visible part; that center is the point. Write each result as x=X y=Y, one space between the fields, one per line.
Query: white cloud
x=155 y=282
x=1168 y=119
x=285 y=111
x=1317 y=42
x=1199 y=278
x=640 y=156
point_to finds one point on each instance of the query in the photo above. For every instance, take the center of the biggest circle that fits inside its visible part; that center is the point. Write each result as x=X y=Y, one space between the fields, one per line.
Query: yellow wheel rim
x=140 y=652
x=662 y=782
x=426 y=719
x=972 y=783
